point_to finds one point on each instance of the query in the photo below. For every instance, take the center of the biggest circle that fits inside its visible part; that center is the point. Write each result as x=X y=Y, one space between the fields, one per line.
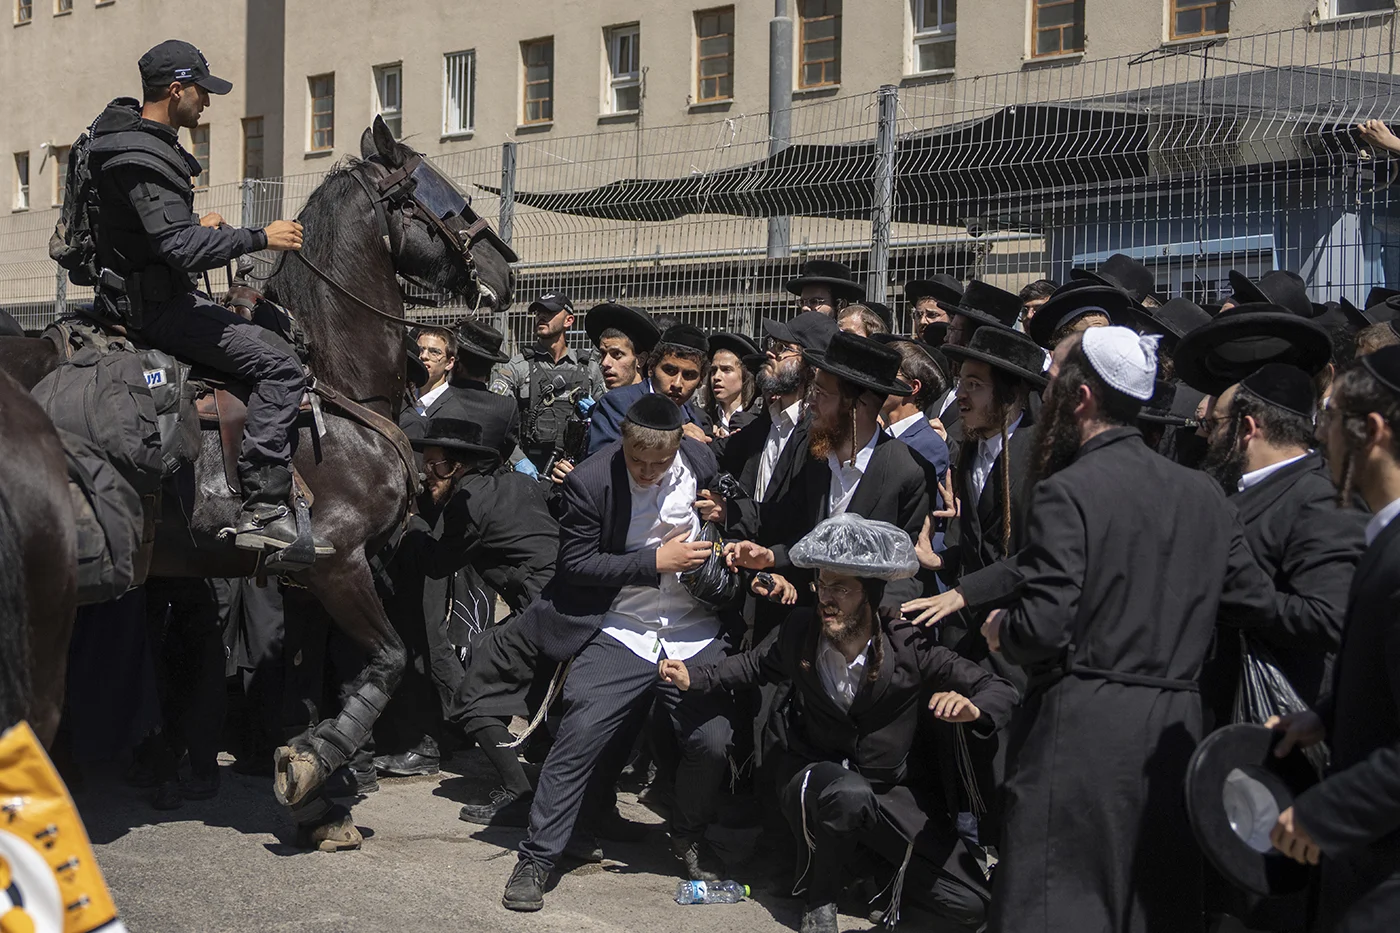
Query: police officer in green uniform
x=548 y=379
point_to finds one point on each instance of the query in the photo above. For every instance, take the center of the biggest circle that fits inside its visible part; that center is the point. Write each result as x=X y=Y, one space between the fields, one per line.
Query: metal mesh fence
x=1196 y=159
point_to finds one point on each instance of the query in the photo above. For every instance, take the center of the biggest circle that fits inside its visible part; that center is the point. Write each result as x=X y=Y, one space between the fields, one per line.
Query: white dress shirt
x=1382 y=518
x=652 y=619
x=432 y=395
x=784 y=423
x=846 y=476
x=1255 y=477
x=840 y=678
x=904 y=424
x=987 y=452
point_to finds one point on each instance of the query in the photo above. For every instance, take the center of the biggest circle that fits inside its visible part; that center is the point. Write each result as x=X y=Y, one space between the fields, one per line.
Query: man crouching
x=859 y=691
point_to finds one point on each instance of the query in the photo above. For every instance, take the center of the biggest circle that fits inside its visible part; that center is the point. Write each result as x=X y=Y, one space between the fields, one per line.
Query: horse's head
x=434 y=234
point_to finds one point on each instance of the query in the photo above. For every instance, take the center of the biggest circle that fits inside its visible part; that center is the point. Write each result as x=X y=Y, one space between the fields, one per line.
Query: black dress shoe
x=583 y=847
x=407 y=764
x=505 y=809
x=614 y=827
x=701 y=863
x=819 y=919
x=200 y=787
x=525 y=889
x=349 y=782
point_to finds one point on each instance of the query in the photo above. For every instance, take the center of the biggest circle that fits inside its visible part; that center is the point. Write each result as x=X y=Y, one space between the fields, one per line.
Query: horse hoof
x=335 y=833
x=296 y=774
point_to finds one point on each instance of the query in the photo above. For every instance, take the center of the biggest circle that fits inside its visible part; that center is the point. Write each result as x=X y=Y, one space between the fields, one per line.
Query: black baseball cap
x=174 y=60
x=553 y=302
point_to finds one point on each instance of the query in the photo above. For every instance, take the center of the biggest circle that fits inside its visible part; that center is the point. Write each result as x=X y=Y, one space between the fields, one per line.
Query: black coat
x=1129 y=561
x=876 y=736
x=1354 y=815
x=1309 y=547
x=594 y=563
x=739 y=455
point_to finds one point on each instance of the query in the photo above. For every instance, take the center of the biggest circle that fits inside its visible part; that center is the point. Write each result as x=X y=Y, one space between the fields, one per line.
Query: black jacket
x=147 y=201
x=739 y=455
x=593 y=563
x=1354 y=815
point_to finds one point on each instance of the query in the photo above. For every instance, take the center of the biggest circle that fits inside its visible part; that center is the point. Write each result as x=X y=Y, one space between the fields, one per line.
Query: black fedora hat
x=988 y=304
x=1236 y=787
x=1173 y=320
x=637 y=325
x=836 y=275
x=933 y=353
x=1124 y=272
x=936 y=334
x=1378 y=294
x=810 y=330
x=1282 y=288
x=861 y=361
x=457 y=436
x=479 y=339
x=1340 y=315
x=415 y=371
x=1173 y=403
x=1070 y=303
x=1241 y=339
x=941 y=287
x=738 y=344
x=1387 y=309
x=1008 y=350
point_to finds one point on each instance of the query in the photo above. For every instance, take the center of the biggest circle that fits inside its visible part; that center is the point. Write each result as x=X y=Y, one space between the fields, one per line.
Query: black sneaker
x=505 y=810
x=701 y=863
x=525 y=889
x=407 y=764
x=819 y=919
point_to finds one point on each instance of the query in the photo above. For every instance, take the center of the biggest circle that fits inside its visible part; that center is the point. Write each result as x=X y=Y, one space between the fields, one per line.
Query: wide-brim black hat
x=942 y=288
x=810 y=330
x=637 y=325
x=988 y=304
x=882 y=311
x=1174 y=404
x=1236 y=787
x=1343 y=313
x=456 y=435
x=936 y=334
x=863 y=362
x=836 y=275
x=1069 y=303
x=1173 y=320
x=738 y=344
x=1123 y=272
x=1384 y=311
x=1282 y=288
x=481 y=340
x=414 y=370
x=1240 y=339
x=1008 y=350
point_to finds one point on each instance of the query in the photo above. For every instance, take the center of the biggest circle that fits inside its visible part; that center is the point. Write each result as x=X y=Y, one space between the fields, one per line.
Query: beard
x=784 y=380
x=1057 y=435
x=1224 y=459
x=824 y=440
x=841 y=626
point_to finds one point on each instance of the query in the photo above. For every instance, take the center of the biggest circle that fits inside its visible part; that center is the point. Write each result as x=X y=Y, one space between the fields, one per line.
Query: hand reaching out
x=1377 y=134
x=951 y=706
x=780 y=590
x=747 y=555
x=674 y=672
x=711 y=506
x=934 y=609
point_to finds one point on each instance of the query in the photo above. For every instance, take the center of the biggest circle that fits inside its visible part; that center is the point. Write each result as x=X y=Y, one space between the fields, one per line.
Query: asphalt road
x=225 y=865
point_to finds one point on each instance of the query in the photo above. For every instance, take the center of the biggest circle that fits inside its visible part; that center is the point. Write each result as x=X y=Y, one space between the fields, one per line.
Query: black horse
x=389 y=212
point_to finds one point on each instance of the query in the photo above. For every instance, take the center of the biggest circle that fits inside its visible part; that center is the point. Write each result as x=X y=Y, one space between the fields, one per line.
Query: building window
x=322 y=88
x=24 y=11
x=935 y=34
x=1057 y=27
x=538 y=58
x=1330 y=9
x=21 y=181
x=62 y=6
x=253 y=147
x=458 y=92
x=714 y=54
x=1192 y=18
x=819 y=64
x=199 y=148
x=388 y=95
x=624 y=91
x=60 y=176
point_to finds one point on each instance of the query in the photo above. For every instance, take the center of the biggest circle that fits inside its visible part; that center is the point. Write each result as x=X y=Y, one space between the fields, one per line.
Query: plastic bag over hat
x=858 y=547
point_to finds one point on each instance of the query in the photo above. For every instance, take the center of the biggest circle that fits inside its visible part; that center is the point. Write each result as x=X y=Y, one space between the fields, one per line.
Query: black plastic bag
x=1264 y=691
x=713 y=583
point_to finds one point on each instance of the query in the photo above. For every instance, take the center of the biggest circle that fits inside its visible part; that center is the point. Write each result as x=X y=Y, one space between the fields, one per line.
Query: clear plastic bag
x=1264 y=691
x=713 y=583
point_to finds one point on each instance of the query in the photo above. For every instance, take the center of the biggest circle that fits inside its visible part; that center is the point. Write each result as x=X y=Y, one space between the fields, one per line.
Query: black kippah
x=1282 y=386
x=657 y=412
x=686 y=335
x=1384 y=364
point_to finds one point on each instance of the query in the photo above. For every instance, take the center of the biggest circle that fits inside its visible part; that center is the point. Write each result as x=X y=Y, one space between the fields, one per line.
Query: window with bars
x=62 y=6
x=1057 y=27
x=253 y=166
x=1330 y=9
x=537 y=57
x=322 y=92
x=21 y=181
x=458 y=92
x=60 y=173
x=1192 y=18
x=388 y=95
x=624 y=92
x=714 y=54
x=199 y=148
x=24 y=11
x=819 y=40
x=935 y=34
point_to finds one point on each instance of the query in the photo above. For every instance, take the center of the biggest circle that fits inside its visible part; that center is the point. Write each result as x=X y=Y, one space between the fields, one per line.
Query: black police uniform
x=148 y=234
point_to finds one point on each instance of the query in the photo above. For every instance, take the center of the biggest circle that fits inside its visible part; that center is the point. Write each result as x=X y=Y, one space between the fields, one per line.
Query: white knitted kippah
x=1124 y=359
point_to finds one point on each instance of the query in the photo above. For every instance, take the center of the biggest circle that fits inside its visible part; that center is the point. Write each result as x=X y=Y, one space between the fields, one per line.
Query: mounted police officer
x=150 y=245
x=548 y=379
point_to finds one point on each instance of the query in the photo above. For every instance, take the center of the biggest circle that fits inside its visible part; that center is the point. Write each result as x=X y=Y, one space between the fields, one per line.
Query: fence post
x=245 y=198
x=60 y=292
x=882 y=210
x=779 y=113
x=505 y=220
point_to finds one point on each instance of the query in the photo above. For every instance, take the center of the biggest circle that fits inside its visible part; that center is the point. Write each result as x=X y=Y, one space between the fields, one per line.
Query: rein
x=324 y=277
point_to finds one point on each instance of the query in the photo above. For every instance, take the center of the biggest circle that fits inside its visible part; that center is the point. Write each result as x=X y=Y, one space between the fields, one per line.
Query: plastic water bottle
x=716 y=892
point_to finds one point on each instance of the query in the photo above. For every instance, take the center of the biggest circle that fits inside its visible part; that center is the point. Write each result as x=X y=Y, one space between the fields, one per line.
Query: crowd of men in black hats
x=952 y=611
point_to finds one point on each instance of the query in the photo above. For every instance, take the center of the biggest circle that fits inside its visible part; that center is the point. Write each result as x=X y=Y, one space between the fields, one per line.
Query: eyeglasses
x=817 y=301
x=432 y=352
x=1210 y=423
x=779 y=348
x=442 y=469
x=838 y=591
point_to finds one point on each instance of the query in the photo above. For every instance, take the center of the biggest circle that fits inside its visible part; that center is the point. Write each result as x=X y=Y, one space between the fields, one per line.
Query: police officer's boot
x=266 y=520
